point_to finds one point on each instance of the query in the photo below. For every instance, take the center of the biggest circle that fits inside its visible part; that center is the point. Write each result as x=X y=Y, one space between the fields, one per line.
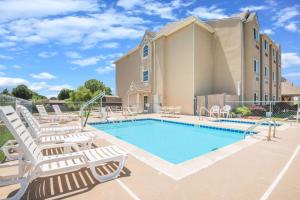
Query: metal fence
x=281 y=110
x=6 y=100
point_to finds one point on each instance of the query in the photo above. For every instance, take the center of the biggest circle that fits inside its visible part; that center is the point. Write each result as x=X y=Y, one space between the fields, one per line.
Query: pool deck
x=269 y=168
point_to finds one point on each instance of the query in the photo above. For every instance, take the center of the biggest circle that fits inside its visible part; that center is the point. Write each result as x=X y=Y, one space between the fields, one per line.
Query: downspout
x=242 y=59
x=154 y=84
x=194 y=111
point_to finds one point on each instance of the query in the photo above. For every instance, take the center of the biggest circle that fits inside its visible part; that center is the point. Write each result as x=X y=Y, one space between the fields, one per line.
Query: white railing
x=84 y=116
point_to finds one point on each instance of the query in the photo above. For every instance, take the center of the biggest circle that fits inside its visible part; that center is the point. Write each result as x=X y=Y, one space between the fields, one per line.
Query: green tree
x=5 y=91
x=97 y=86
x=22 y=91
x=64 y=94
x=53 y=98
x=81 y=94
x=36 y=96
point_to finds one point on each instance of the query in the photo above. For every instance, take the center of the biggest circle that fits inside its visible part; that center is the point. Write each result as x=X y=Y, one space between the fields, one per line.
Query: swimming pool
x=172 y=141
x=243 y=122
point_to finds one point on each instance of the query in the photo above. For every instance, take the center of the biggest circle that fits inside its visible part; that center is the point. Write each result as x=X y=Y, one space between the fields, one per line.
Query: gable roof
x=175 y=26
x=171 y=28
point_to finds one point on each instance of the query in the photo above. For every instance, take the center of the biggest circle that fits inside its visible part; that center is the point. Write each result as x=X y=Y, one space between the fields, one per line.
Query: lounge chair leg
x=110 y=176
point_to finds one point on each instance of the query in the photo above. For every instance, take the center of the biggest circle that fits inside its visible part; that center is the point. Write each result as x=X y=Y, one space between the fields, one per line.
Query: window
x=266 y=45
x=256 y=66
x=266 y=97
x=145 y=51
x=273 y=52
x=255 y=34
x=273 y=76
x=255 y=97
x=145 y=75
x=266 y=71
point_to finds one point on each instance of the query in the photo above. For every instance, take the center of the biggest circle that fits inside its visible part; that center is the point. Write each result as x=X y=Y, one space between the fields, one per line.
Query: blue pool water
x=243 y=122
x=174 y=142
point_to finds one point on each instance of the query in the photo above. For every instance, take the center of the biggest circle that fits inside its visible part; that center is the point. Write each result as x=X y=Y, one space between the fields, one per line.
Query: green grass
x=4 y=136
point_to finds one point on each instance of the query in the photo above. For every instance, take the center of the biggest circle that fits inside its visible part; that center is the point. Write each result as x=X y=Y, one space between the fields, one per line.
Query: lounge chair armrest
x=10 y=143
x=60 y=145
x=60 y=157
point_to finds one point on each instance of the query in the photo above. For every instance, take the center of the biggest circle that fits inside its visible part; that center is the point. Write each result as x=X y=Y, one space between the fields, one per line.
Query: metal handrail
x=203 y=108
x=88 y=103
x=260 y=122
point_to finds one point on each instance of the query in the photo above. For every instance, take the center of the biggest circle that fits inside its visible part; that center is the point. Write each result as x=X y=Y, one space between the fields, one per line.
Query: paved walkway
x=246 y=174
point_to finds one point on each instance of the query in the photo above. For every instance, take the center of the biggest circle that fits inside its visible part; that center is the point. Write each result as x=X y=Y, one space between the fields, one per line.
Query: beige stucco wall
x=193 y=61
x=265 y=62
x=203 y=71
x=159 y=59
x=178 y=77
x=127 y=70
x=251 y=53
x=227 y=53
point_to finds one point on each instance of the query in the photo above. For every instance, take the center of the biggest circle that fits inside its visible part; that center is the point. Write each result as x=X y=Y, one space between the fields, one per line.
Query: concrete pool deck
x=246 y=174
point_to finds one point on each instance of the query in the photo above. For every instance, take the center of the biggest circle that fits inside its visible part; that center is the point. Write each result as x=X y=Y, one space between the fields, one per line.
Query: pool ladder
x=269 y=121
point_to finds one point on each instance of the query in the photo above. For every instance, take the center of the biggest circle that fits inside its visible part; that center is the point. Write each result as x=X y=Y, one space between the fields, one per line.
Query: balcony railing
x=140 y=86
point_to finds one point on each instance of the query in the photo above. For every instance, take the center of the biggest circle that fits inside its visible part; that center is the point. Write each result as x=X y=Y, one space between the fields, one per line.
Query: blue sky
x=54 y=44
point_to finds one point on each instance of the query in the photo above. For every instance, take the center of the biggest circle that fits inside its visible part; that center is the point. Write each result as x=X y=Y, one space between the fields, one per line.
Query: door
x=146 y=105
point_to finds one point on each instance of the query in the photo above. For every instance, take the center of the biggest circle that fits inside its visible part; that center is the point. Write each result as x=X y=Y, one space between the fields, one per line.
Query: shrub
x=258 y=110
x=243 y=110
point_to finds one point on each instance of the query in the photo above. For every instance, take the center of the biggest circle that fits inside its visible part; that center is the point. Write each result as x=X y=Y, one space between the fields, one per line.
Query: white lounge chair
x=110 y=118
x=58 y=111
x=225 y=111
x=21 y=110
x=214 y=111
x=33 y=164
x=50 y=118
x=10 y=149
x=58 y=135
x=131 y=112
x=177 y=110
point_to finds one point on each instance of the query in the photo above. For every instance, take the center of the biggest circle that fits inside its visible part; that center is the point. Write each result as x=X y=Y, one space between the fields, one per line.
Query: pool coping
x=186 y=168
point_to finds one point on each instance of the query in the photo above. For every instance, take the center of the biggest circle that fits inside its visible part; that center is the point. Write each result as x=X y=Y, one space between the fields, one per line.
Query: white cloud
x=60 y=87
x=212 y=12
x=72 y=54
x=87 y=30
x=4 y=57
x=291 y=75
x=2 y=73
x=47 y=54
x=43 y=86
x=292 y=26
x=87 y=61
x=10 y=67
x=152 y=7
x=106 y=69
x=254 y=8
x=110 y=45
x=8 y=82
x=16 y=9
x=268 y=31
x=38 y=86
x=290 y=59
x=286 y=14
x=129 y=4
x=7 y=44
x=43 y=75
